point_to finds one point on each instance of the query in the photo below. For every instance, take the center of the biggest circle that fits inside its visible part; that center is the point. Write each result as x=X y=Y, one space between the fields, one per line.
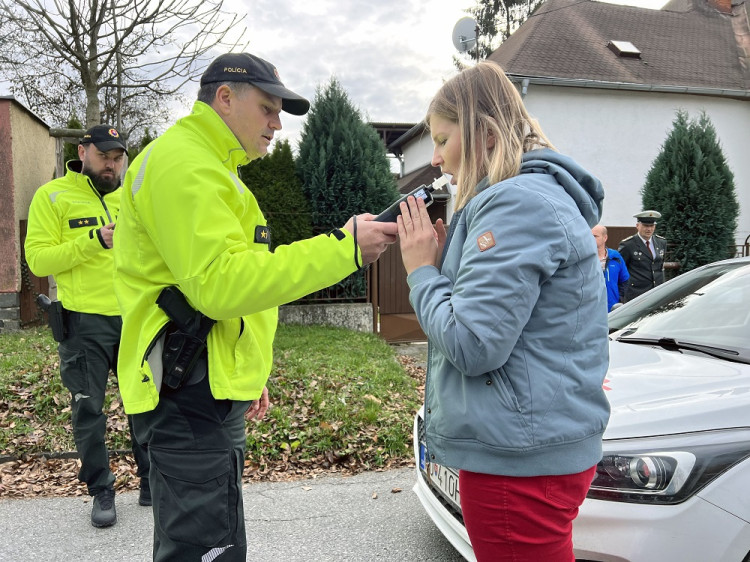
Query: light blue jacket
x=516 y=319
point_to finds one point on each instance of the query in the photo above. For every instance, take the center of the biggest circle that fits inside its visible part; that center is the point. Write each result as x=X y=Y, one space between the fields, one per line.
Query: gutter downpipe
x=524 y=87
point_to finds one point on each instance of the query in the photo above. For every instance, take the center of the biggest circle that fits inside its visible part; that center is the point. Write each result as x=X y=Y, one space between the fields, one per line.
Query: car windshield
x=709 y=307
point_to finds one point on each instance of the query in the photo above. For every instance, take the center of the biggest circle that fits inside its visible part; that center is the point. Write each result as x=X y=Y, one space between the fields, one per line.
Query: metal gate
x=31 y=286
x=394 y=318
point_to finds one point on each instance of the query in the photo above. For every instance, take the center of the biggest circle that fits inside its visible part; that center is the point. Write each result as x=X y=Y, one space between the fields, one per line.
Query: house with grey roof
x=605 y=82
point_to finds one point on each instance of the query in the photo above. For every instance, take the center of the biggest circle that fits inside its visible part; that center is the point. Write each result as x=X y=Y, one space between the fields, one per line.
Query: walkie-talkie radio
x=422 y=192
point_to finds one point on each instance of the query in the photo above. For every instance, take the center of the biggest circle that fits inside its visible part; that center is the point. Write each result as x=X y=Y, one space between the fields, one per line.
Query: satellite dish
x=465 y=34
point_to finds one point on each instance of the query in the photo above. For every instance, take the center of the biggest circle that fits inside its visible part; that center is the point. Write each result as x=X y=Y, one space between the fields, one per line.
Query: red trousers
x=527 y=519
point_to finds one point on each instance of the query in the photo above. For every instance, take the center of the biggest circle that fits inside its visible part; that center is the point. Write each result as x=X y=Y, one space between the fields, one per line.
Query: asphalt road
x=334 y=519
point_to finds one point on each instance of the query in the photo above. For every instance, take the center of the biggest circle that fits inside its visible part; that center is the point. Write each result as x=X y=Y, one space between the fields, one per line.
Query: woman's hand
x=421 y=244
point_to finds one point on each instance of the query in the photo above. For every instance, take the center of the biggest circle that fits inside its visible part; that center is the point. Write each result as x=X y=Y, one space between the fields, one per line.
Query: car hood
x=653 y=391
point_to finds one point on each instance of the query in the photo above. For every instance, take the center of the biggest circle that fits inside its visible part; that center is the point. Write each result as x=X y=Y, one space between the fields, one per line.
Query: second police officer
x=71 y=223
x=644 y=255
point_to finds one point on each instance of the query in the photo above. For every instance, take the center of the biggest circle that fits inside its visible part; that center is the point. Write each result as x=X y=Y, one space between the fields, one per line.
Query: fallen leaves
x=41 y=476
x=35 y=475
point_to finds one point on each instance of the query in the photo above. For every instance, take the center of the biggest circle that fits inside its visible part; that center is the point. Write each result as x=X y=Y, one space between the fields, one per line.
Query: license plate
x=442 y=478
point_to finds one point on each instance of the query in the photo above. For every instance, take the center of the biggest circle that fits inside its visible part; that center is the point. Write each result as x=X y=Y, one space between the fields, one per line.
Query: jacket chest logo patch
x=486 y=241
x=262 y=235
x=82 y=222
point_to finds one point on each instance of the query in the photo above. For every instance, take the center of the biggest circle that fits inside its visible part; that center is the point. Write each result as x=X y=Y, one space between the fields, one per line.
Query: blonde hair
x=485 y=103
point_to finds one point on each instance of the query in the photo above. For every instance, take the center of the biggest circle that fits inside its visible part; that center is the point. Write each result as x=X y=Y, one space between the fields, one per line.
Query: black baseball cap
x=244 y=67
x=104 y=137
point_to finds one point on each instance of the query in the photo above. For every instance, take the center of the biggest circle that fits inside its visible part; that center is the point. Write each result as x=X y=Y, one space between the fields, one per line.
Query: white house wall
x=418 y=152
x=617 y=134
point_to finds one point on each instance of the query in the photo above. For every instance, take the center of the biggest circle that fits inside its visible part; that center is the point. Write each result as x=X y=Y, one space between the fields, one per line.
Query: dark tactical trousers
x=197 y=448
x=86 y=357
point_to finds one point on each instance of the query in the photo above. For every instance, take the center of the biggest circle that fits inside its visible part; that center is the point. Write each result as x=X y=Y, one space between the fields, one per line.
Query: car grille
x=435 y=492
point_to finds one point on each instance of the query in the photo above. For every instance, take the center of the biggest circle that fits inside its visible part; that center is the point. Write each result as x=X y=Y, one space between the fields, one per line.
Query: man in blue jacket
x=613 y=266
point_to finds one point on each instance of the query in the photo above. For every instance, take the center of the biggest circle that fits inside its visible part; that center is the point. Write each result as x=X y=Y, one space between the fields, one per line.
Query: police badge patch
x=262 y=235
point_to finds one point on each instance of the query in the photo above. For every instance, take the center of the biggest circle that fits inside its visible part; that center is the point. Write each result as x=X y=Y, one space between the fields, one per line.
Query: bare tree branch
x=497 y=20
x=62 y=56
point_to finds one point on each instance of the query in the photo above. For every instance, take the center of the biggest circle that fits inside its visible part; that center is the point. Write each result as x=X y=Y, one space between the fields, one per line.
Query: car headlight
x=666 y=469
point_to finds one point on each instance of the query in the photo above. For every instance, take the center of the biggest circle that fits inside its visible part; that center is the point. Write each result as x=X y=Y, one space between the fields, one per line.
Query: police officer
x=71 y=221
x=644 y=255
x=189 y=225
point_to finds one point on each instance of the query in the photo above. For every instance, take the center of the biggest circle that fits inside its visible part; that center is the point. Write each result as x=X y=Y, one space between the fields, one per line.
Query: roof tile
x=685 y=44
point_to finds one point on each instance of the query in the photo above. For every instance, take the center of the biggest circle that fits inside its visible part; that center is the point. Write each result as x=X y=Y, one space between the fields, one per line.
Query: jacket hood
x=585 y=189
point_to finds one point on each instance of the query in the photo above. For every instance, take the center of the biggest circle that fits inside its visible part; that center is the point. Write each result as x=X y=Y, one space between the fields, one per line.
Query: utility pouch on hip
x=57 y=316
x=186 y=337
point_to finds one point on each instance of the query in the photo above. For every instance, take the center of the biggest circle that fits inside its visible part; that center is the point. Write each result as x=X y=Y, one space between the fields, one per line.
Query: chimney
x=723 y=6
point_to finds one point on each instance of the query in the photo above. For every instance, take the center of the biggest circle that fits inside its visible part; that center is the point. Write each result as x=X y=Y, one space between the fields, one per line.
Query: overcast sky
x=390 y=56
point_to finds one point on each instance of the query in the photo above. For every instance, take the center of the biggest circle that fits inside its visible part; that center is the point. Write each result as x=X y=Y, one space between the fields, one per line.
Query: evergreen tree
x=273 y=180
x=343 y=166
x=342 y=161
x=70 y=150
x=136 y=148
x=691 y=185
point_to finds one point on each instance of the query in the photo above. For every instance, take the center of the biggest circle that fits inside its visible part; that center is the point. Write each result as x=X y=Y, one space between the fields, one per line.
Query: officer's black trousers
x=86 y=357
x=197 y=448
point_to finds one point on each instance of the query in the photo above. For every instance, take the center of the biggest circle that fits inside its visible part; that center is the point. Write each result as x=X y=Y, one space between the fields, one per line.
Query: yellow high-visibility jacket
x=186 y=219
x=62 y=241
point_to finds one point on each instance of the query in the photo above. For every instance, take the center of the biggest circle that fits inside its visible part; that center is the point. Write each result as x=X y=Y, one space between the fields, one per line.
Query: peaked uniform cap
x=648 y=217
x=244 y=67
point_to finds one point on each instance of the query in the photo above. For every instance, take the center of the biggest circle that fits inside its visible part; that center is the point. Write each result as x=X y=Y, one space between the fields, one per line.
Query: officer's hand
x=107 y=232
x=259 y=407
x=372 y=237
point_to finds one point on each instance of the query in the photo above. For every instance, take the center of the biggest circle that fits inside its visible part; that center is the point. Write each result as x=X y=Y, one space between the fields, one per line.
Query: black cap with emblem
x=244 y=67
x=104 y=137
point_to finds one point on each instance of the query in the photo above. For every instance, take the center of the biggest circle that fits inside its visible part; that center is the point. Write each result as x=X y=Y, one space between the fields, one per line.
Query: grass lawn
x=340 y=401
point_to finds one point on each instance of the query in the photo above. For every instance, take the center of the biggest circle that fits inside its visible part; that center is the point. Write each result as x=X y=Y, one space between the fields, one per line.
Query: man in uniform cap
x=71 y=222
x=189 y=225
x=644 y=255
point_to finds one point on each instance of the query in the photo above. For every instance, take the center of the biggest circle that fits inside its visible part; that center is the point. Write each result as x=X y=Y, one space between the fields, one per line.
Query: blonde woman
x=512 y=301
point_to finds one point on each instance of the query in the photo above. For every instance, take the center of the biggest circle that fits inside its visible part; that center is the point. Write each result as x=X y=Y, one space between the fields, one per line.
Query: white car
x=674 y=482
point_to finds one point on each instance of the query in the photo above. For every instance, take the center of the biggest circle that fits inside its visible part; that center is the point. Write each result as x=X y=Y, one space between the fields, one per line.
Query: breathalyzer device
x=423 y=192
